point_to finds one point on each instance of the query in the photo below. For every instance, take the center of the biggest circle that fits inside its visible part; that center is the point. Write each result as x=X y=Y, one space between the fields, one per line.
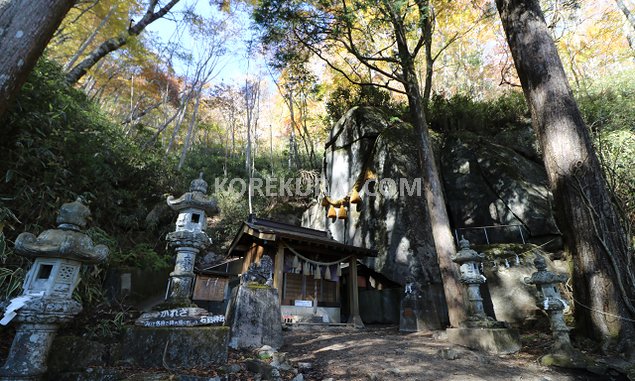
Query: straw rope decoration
x=307 y=265
x=337 y=207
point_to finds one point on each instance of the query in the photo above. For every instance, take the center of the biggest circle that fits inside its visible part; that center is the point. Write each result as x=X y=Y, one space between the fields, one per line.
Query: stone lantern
x=551 y=301
x=469 y=261
x=479 y=331
x=188 y=239
x=46 y=301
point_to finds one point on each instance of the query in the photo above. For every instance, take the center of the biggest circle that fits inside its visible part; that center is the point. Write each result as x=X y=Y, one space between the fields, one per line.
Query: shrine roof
x=264 y=230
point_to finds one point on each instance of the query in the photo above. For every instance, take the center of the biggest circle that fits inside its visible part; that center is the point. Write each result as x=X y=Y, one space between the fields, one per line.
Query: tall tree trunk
x=190 y=130
x=427 y=30
x=455 y=293
x=271 y=147
x=602 y=277
x=115 y=43
x=249 y=110
x=294 y=157
x=305 y=132
x=177 y=125
x=233 y=130
x=26 y=26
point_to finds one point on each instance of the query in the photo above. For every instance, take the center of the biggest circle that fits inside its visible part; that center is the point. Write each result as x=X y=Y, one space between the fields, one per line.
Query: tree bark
x=627 y=12
x=26 y=26
x=602 y=276
x=427 y=90
x=455 y=293
x=115 y=43
x=631 y=21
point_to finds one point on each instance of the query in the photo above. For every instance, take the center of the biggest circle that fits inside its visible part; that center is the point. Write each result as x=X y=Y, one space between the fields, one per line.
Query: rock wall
x=490 y=178
x=396 y=225
x=498 y=180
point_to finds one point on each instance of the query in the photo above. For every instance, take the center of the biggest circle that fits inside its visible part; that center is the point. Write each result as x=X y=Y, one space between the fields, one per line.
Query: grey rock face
x=397 y=226
x=490 y=181
x=493 y=180
x=182 y=347
x=254 y=317
x=74 y=353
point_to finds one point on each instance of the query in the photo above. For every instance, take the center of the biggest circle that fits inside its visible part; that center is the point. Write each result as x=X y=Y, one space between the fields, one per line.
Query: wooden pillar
x=354 y=295
x=278 y=271
x=249 y=257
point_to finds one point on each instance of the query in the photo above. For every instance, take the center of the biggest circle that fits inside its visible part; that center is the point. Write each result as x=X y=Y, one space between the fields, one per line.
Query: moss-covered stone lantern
x=188 y=239
x=479 y=331
x=46 y=301
x=469 y=262
x=551 y=301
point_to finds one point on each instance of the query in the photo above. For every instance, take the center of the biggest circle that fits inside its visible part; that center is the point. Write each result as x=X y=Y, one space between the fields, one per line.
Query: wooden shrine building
x=311 y=270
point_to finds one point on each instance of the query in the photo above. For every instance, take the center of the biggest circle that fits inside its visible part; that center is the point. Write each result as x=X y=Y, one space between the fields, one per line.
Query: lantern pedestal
x=176 y=347
x=493 y=340
x=39 y=321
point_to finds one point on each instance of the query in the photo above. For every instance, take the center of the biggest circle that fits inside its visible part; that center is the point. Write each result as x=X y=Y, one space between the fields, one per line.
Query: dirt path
x=385 y=354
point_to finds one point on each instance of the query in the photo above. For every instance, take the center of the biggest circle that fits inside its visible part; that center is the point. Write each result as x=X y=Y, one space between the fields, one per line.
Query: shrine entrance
x=311 y=270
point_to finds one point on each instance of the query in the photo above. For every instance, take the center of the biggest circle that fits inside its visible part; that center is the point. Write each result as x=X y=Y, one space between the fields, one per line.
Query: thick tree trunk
x=26 y=26
x=115 y=43
x=627 y=12
x=602 y=277
x=455 y=293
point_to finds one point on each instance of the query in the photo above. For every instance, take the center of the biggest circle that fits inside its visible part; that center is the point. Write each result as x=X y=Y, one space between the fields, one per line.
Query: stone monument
x=178 y=332
x=550 y=300
x=410 y=319
x=46 y=301
x=479 y=331
x=253 y=314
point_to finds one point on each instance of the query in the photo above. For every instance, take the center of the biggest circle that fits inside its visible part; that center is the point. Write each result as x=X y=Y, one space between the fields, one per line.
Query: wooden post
x=354 y=295
x=278 y=271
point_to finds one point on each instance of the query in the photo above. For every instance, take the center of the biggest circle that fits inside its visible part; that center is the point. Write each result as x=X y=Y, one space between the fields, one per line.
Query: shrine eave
x=262 y=231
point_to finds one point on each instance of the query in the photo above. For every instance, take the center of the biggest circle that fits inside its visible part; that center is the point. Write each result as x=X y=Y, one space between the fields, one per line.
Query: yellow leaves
x=106 y=17
x=595 y=43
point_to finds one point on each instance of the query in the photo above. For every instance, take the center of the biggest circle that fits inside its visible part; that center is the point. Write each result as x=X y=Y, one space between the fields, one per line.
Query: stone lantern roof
x=543 y=276
x=196 y=198
x=67 y=241
x=466 y=254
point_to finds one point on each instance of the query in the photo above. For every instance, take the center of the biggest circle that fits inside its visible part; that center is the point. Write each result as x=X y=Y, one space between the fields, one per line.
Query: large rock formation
x=498 y=180
x=490 y=178
x=396 y=225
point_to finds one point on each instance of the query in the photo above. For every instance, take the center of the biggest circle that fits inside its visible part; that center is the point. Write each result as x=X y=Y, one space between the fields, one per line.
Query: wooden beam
x=248 y=259
x=354 y=295
x=278 y=271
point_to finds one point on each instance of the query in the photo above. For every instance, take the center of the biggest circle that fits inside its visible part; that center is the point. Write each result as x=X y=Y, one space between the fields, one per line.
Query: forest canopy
x=125 y=102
